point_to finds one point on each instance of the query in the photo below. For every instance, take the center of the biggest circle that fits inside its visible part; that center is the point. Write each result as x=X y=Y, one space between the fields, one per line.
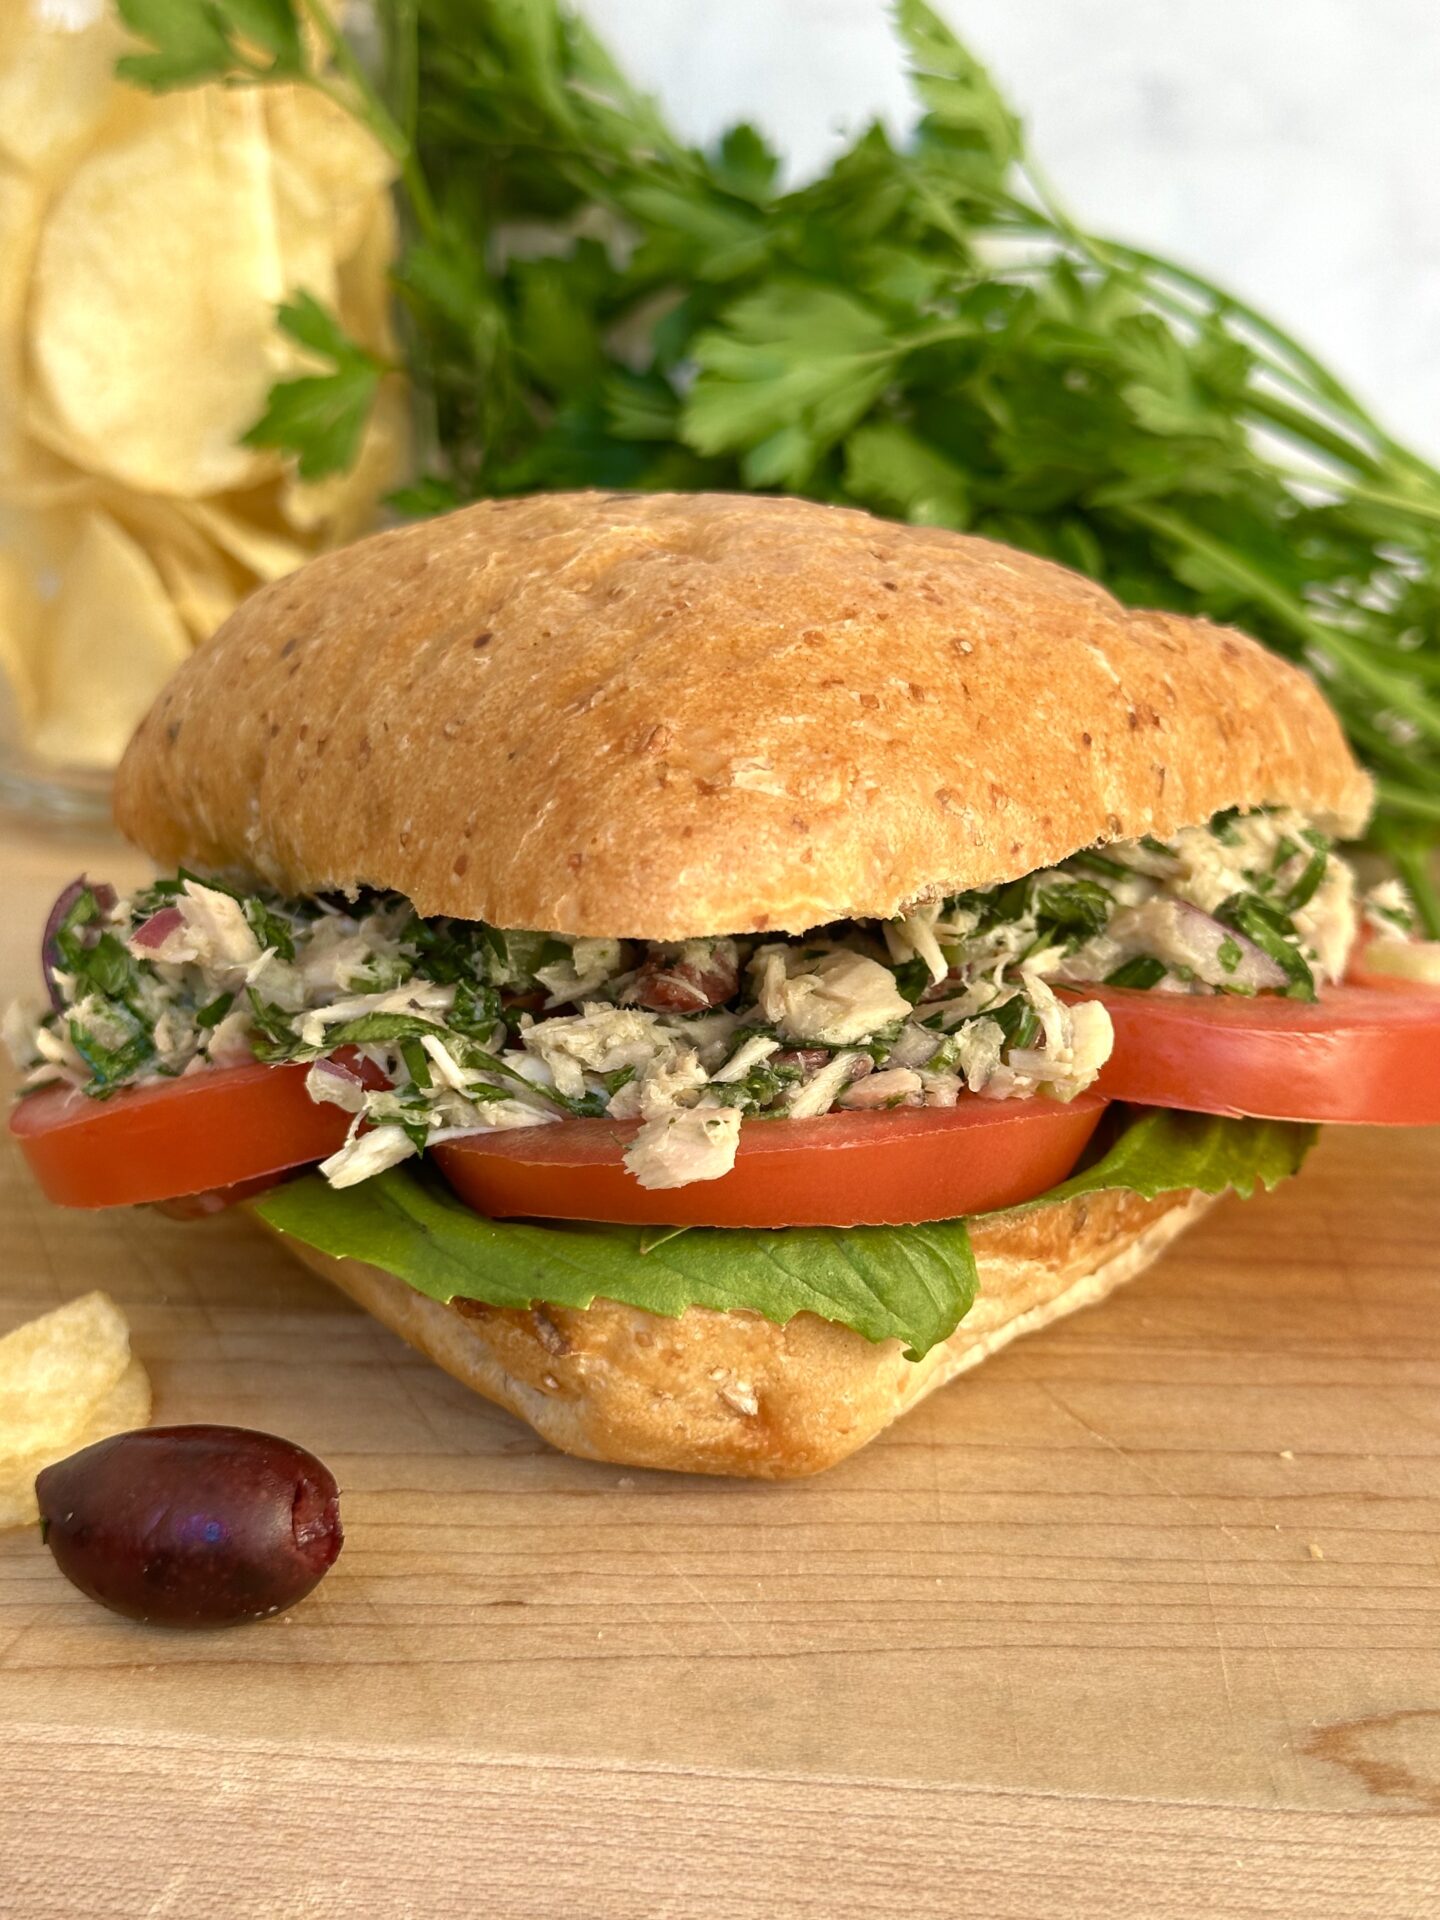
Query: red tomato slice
x=1353 y=1055
x=842 y=1170
x=175 y=1137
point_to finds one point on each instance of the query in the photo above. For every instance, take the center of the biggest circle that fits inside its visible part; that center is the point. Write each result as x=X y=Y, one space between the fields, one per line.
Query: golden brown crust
x=667 y=715
x=731 y=1393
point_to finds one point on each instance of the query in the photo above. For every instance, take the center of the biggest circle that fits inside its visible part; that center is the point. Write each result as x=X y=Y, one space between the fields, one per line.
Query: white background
x=1288 y=148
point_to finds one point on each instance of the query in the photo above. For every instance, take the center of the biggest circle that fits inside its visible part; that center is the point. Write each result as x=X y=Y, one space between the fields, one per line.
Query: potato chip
x=208 y=556
x=204 y=583
x=329 y=175
x=204 y=593
x=35 y=548
x=21 y=203
x=153 y=338
x=363 y=287
x=54 y=1369
x=57 y=78
x=121 y=1409
x=262 y=552
x=50 y=483
x=110 y=644
x=21 y=616
x=18 y=699
x=43 y=514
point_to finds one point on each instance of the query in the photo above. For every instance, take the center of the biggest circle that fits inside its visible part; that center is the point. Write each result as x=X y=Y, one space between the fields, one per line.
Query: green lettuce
x=1157 y=1151
x=914 y=1284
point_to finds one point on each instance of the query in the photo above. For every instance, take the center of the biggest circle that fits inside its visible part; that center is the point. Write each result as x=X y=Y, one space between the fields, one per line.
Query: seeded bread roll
x=662 y=716
x=731 y=1393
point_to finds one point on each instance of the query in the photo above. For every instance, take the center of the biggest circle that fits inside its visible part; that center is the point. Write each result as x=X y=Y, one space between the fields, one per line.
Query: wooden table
x=1139 y=1621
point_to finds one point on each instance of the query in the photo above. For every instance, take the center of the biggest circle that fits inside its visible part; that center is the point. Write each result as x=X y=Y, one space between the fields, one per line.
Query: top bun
x=665 y=715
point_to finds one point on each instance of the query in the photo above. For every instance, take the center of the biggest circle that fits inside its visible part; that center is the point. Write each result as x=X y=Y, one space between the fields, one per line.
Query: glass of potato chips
x=146 y=241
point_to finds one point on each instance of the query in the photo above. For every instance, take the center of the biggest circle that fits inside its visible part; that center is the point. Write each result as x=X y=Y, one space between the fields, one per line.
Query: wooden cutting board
x=1139 y=1620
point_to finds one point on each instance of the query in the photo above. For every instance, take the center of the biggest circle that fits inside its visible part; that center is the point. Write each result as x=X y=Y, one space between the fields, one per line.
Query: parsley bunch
x=924 y=331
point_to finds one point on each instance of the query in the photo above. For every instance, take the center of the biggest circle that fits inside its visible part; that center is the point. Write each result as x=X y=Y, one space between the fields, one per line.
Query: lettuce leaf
x=914 y=1284
x=1157 y=1151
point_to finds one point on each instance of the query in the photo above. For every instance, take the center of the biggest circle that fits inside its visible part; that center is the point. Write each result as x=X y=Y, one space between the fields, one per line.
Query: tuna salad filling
x=426 y=1030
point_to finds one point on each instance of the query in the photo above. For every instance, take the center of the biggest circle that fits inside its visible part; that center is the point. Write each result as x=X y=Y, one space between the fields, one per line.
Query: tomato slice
x=1354 y=1055
x=842 y=1170
x=208 y=1130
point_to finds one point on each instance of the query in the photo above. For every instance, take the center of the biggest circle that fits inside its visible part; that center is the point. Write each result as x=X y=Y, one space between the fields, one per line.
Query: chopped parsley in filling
x=468 y=1027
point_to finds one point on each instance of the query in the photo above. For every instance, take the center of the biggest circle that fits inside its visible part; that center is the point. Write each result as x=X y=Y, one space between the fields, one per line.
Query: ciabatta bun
x=669 y=715
x=731 y=1393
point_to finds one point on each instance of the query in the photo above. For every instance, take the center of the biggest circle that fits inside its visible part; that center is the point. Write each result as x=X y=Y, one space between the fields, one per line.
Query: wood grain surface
x=1139 y=1620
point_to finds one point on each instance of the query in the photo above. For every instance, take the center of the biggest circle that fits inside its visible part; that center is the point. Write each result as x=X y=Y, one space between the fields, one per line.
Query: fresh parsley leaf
x=1097 y=863
x=112 y=1062
x=1017 y=1020
x=417 y=1061
x=1077 y=907
x=746 y=165
x=1143 y=971
x=787 y=372
x=191 y=41
x=380 y=1029
x=1302 y=890
x=912 y=977
x=1273 y=932
x=891 y=470
x=271 y=929
x=108 y=969
x=319 y=418
x=475 y=1011
x=963 y=106
x=273 y=1037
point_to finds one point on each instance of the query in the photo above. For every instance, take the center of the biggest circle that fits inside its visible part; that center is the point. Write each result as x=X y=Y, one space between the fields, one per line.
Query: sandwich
x=708 y=970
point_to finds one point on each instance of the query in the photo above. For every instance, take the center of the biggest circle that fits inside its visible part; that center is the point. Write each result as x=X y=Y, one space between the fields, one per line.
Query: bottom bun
x=733 y=1393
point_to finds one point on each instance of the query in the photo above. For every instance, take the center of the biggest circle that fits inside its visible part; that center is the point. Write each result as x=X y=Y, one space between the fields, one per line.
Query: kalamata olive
x=192 y=1526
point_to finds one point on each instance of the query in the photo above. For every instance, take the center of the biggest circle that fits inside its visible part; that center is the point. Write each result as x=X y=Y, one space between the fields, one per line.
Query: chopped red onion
x=332 y=1070
x=1200 y=936
x=49 y=941
x=155 y=931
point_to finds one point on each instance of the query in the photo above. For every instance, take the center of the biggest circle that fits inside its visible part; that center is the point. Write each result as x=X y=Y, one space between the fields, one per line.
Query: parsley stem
x=1380 y=747
x=1306 y=431
x=1220 y=301
x=1419 y=806
x=1383 y=497
x=401 y=23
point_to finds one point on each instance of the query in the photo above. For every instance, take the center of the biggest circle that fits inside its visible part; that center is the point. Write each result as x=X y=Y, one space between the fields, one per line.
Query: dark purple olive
x=192 y=1526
